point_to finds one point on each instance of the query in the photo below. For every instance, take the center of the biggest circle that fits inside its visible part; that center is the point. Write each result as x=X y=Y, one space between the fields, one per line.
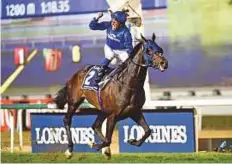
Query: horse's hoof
x=107 y=153
x=91 y=144
x=131 y=141
x=68 y=154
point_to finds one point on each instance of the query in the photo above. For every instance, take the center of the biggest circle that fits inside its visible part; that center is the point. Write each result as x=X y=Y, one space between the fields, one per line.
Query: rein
x=140 y=65
x=126 y=86
x=121 y=82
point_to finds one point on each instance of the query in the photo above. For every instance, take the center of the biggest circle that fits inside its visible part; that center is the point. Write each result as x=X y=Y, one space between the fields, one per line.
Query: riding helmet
x=119 y=16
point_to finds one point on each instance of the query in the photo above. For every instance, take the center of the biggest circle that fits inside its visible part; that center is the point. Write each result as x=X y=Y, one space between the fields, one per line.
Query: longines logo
x=49 y=135
x=160 y=133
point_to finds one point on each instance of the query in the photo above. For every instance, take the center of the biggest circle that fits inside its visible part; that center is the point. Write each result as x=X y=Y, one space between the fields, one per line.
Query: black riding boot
x=101 y=73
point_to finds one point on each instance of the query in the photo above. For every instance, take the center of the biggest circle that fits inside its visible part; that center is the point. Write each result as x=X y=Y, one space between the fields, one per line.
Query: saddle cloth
x=89 y=79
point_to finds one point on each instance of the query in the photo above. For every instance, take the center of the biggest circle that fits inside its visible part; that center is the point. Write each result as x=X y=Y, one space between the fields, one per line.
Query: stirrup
x=101 y=73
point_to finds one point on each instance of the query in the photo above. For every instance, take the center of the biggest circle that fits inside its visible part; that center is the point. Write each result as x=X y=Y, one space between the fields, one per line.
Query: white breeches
x=116 y=56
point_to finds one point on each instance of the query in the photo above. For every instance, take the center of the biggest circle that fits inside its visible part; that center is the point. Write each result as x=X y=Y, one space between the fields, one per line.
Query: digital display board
x=13 y=9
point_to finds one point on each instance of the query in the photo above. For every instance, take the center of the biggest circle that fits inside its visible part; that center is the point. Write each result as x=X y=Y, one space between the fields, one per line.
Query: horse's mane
x=132 y=55
x=135 y=50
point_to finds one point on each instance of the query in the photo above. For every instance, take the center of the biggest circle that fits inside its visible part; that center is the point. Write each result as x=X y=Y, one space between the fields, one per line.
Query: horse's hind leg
x=73 y=104
x=140 y=120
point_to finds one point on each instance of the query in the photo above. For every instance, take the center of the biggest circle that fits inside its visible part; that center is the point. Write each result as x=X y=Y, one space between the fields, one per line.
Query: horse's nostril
x=162 y=63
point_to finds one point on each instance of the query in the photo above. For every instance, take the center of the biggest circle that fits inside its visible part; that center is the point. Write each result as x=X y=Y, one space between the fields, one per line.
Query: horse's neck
x=136 y=73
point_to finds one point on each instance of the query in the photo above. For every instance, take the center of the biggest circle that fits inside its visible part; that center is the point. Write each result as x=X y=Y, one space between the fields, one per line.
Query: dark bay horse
x=122 y=97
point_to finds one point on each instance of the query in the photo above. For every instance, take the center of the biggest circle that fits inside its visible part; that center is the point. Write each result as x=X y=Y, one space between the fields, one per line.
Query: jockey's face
x=115 y=24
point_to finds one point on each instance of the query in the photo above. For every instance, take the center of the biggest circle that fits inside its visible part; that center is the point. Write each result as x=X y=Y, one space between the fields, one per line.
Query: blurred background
x=196 y=36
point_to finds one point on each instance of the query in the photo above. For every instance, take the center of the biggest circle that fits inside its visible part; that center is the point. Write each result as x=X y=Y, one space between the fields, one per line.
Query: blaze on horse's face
x=153 y=54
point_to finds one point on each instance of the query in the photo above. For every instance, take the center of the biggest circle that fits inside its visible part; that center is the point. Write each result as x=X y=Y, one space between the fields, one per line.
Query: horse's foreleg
x=111 y=121
x=97 y=126
x=140 y=120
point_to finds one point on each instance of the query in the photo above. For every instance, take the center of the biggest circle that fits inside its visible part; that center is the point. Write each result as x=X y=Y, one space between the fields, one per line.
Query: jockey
x=118 y=41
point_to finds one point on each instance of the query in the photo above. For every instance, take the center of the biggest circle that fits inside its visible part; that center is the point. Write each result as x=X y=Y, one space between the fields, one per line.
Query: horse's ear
x=153 y=37
x=143 y=38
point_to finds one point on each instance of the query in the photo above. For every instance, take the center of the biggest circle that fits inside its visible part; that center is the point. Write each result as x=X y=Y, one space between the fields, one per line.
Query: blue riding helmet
x=119 y=16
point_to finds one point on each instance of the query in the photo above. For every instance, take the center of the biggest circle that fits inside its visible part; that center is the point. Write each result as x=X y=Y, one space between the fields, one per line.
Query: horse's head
x=153 y=54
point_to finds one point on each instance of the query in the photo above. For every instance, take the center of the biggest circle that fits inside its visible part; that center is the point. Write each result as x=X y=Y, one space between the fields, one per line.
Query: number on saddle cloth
x=89 y=80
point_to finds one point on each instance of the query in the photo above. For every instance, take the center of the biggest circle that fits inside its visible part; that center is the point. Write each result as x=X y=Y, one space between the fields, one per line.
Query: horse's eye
x=149 y=51
x=159 y=53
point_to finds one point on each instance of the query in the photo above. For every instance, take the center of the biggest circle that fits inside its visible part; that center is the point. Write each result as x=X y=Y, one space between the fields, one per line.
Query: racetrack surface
x=118 y=158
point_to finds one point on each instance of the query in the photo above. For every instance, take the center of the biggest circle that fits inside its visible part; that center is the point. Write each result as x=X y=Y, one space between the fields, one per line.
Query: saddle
x=89 y=80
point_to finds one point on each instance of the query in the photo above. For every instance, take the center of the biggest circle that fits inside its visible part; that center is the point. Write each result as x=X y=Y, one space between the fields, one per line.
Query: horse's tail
x=61 y=97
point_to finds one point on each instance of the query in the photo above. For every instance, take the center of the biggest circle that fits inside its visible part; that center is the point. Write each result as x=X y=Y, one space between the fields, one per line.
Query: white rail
x=199 y=104
x=184 y=103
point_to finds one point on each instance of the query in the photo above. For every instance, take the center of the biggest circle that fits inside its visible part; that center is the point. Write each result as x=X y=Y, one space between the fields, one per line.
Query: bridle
x=144 y=65
x=148 y=60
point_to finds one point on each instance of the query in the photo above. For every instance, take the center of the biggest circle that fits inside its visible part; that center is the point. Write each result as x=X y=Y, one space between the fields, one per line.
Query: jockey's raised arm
x=95 y=25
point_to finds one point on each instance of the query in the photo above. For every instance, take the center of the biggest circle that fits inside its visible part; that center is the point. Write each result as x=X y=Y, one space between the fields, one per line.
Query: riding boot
x=101 y=73
x=102 y=70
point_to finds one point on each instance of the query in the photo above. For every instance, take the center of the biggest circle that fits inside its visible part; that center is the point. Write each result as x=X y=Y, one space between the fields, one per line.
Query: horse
x=122 y=97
